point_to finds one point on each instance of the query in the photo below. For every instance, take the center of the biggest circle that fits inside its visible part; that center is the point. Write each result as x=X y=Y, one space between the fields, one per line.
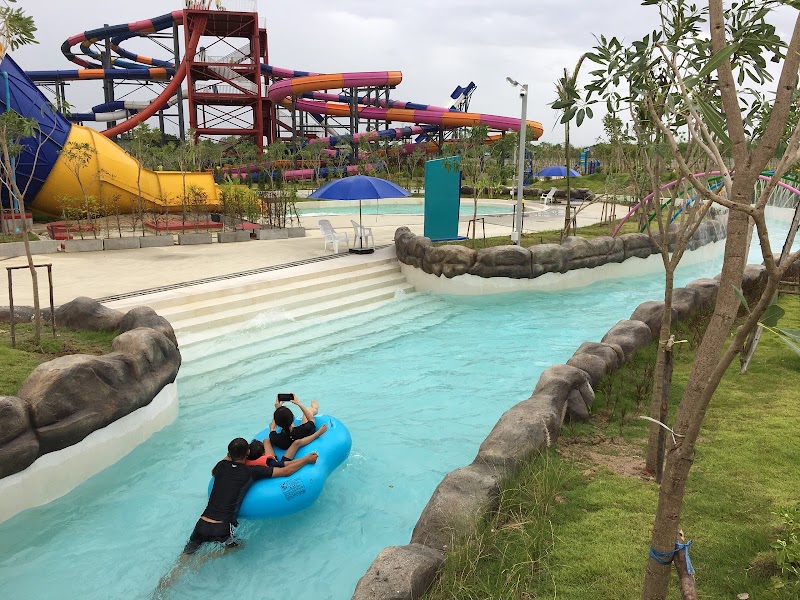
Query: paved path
x=100 y=274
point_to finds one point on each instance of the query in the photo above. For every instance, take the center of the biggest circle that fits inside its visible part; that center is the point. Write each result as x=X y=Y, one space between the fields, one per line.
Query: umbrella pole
x=360 y=226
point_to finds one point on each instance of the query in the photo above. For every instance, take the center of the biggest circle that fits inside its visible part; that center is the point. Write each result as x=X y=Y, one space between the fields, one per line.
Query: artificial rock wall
x=529 y=263
x=563 y=392
x=66 y=399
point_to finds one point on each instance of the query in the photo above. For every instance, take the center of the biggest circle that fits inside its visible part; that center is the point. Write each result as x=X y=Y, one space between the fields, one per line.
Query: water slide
x=51 y=178
x=712 y=179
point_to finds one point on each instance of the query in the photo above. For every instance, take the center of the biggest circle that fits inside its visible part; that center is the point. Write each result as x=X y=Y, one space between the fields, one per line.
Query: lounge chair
x=362 y=233
x=548 y=197
x=332 y=236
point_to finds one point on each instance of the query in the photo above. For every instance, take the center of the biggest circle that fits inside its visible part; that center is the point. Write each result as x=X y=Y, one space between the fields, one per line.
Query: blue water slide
x=53 y=129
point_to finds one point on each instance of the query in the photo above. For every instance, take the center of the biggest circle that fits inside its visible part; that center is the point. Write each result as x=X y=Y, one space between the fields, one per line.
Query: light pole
x=523 y=94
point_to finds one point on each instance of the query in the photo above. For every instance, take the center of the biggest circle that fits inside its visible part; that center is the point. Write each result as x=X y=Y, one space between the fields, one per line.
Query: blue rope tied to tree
x=664 y=558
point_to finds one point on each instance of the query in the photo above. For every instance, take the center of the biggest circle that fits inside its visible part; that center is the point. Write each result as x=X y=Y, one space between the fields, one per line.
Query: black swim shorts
x=210 y=532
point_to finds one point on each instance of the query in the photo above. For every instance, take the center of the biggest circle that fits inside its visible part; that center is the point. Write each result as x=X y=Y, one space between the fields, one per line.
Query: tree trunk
x=37 y=315
x=685 y=578
x=475 y=216
x=660 y=370
x=565 y=231
x=699 y=389
x=664 y=414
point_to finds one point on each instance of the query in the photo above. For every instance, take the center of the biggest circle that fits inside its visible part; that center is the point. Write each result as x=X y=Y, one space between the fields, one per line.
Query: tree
x=477 y=165
x=78 y=156
x=567 y=93
x=144 y=147
x=682 y=82
x=13 y=129
x=17 y=29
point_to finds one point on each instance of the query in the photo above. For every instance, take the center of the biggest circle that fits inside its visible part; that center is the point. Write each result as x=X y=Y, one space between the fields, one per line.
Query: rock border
x=57 y=473
x=67 y=399
x=515 y=262
x=563 y=393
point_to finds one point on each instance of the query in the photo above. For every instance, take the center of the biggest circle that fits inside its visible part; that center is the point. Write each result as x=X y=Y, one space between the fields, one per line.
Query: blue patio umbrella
x=360 y=187
x=557 y=171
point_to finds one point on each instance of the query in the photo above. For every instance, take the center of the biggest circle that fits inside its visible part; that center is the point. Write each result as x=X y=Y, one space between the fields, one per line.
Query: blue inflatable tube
x=283 y=496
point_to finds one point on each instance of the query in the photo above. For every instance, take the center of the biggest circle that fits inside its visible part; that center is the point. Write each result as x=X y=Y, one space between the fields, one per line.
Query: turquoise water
x=419 y=382
x=466 y=208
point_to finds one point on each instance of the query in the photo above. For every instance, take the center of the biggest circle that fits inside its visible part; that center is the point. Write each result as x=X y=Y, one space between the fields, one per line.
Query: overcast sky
x=437 y=44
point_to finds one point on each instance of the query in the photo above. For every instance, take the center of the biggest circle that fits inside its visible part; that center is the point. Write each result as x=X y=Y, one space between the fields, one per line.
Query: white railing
x=233 y=77
x=218 y=88
x=236 y=57
x=249 y=6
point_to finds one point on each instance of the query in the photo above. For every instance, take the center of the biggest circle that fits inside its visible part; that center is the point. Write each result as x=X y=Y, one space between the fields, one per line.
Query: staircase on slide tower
x=227 y=94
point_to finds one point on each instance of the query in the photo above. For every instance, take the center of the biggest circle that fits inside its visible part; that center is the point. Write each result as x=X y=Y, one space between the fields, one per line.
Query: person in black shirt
x=284 y=418
x=232 y=479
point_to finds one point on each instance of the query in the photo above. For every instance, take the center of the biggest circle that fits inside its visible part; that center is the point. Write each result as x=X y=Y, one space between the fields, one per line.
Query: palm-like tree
x=567 y=93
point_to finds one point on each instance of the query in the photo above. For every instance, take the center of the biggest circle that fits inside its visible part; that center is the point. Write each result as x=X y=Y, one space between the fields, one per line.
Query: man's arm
x=292 y=467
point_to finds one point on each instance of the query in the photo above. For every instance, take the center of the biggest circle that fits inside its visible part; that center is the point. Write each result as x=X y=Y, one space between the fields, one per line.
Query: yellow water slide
x=111 y=177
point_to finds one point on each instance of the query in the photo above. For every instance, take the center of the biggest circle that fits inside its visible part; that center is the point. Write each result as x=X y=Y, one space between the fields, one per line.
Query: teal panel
x=442 y=198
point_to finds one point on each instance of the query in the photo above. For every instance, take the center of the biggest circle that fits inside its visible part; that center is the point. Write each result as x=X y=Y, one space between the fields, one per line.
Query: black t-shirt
x=231 y=482
x=285 y=438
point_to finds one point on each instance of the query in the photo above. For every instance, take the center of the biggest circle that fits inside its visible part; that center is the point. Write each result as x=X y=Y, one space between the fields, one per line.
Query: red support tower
x=226 y=90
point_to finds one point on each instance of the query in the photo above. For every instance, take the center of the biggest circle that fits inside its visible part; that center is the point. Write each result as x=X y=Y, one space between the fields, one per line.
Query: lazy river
x=419 y=382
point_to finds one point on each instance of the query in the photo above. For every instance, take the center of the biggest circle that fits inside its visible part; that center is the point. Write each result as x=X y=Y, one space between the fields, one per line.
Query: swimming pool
x=419 y=389
x=465 y=209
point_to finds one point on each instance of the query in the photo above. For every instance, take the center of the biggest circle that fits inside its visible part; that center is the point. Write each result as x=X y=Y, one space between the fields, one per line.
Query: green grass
x=599 y=183
x=545 y=237
x=744 y=471
x=7 y=238
x=17 y=363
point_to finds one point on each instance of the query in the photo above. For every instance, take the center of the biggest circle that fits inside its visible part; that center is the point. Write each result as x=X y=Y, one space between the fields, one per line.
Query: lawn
x=546 y=237
x=17 y=363
x=7 y=238
x=582 y=527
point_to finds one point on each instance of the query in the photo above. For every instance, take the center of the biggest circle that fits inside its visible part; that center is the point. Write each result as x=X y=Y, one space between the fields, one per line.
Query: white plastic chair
x=332 y=236
x=547 y=198
x=362 y=233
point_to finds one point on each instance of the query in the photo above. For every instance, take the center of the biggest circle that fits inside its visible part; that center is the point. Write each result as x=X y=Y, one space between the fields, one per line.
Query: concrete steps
x=206 y=311
x=284 y=345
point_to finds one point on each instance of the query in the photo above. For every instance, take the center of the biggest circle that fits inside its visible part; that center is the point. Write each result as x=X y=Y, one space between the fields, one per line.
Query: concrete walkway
x=101 y=274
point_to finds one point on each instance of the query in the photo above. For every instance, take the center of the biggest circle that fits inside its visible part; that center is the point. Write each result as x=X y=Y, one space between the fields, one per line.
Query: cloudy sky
x=437 y=44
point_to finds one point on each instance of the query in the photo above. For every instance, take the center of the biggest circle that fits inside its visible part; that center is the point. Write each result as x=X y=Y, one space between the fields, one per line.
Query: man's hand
x=312 y=457
x=295 y=401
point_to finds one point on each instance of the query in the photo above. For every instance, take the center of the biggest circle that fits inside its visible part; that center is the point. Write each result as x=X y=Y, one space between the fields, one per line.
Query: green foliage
x=639 y=78
x=239 y=201
x=769 y=321
x=16 y=27
x=787 y=554
x=14 y=128
x=508 y=552
x=602 y=514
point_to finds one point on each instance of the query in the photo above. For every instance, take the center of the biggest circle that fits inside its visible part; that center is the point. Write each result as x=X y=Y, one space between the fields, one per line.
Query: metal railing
x=249 y=6
x=236 y=57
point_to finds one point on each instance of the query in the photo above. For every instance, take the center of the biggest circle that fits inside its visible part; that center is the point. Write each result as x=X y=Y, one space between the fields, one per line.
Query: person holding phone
x=284 y=418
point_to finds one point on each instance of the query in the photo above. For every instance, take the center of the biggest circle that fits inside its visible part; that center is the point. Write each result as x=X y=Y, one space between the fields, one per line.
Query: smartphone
x=285 y=397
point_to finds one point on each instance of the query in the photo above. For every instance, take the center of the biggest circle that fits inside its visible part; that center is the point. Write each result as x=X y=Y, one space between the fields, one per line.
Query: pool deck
x=102 y=274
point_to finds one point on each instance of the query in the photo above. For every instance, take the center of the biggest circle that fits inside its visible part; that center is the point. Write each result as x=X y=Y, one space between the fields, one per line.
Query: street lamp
x=523 y=94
